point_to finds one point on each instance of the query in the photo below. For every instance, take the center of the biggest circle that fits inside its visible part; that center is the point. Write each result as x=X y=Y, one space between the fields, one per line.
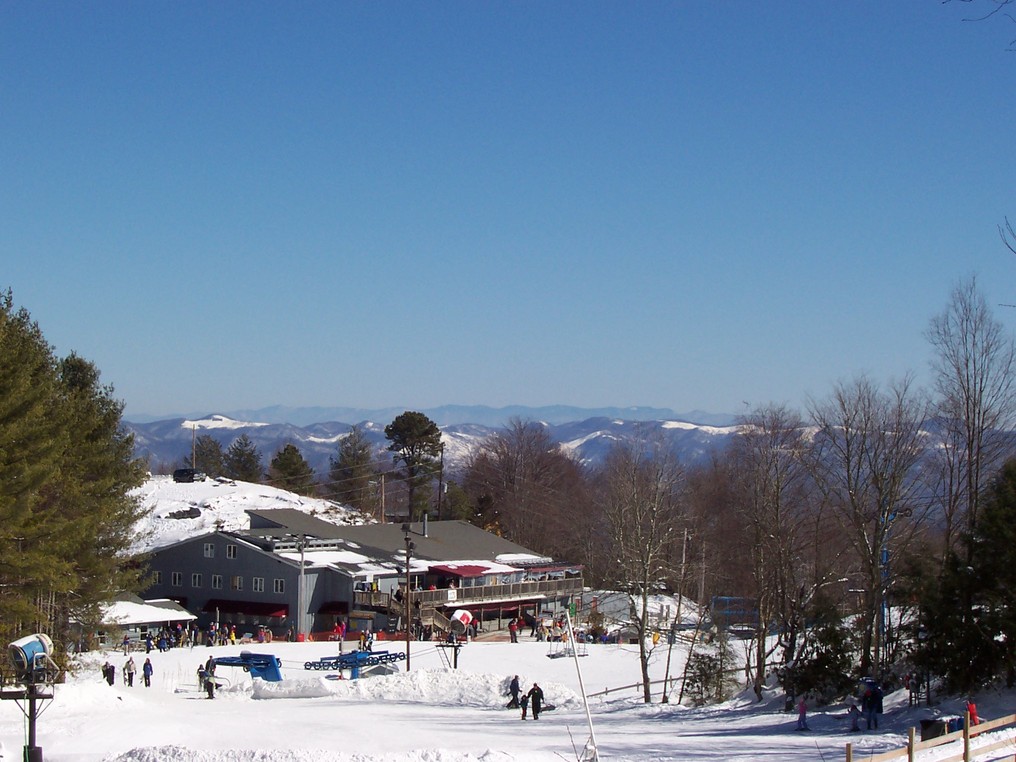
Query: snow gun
x=265 y=666
x=355 y=661
x=31 y=657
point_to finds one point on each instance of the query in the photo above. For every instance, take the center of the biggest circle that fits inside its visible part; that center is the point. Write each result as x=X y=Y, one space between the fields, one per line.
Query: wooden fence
x=968 y=752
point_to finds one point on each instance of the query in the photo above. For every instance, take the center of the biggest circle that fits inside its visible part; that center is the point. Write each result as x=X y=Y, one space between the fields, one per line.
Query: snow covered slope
x=175 y=511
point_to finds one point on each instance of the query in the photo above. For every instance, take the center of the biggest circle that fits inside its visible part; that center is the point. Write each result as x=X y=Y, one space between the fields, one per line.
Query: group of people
x=531 y=698
x=206 y=677
x=129 y=670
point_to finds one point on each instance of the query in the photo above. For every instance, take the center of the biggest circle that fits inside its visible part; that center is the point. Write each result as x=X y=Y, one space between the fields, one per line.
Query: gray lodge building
x=293 y=573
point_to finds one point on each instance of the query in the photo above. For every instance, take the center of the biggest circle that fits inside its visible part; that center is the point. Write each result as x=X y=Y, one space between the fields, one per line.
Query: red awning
x=250 y=608
x=463 y=570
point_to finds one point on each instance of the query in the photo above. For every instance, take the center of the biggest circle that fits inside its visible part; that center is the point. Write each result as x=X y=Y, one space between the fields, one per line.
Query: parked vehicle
x=188 y=475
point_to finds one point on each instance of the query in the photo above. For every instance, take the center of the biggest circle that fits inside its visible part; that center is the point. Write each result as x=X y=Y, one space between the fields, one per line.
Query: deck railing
x=509 y=593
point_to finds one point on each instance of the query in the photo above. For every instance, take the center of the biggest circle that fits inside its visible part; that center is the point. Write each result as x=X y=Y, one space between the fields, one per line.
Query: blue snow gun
x=265 y=666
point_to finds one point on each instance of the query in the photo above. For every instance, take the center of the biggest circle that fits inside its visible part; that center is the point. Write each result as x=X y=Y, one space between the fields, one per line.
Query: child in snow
x=855 y=717
x=802 y=715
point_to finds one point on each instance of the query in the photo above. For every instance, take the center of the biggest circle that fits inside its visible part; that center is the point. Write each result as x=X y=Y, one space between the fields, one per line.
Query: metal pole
x=589 y=718
x=408 y=597
x=301 y=620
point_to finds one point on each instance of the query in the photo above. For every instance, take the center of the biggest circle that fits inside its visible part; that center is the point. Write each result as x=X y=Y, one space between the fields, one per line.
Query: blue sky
x=683 y=204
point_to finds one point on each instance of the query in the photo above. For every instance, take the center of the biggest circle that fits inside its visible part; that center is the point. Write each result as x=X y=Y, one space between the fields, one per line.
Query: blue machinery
x=354 y=661
x=31 y=657
x=265 y=666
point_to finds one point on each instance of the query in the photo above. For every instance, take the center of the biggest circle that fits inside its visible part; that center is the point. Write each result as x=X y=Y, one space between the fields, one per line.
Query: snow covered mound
x=176 y=511
x=429 y=686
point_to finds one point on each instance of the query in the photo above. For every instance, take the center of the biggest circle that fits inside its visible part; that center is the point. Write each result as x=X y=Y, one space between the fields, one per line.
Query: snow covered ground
x=430 y=714
x=176 y=511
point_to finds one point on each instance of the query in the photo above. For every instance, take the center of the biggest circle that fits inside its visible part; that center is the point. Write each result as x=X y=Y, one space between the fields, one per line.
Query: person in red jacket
x=972 y=711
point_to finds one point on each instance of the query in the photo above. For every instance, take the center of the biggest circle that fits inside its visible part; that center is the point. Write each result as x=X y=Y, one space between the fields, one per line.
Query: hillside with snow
x=176 y=511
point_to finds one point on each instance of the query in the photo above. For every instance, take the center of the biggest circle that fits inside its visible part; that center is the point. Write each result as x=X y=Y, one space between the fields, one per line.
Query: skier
x=536 y=696
x=146 y=672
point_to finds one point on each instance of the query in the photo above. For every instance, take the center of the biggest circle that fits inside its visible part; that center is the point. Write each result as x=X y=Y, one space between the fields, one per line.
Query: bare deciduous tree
x=525 y=487
x=770 y=485
x=976 y=400
x=865 y=459
x=641 y=501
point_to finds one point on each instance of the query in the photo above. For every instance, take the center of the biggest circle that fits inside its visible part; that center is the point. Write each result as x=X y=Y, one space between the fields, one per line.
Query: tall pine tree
x=352 y=472
x=416 y=442
x=66 y=472
x=290 y=471
x=242 y=460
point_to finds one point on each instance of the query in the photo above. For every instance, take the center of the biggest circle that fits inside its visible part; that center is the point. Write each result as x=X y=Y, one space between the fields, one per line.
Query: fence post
x=966 y=736
x=910 y=745
x=850 y=752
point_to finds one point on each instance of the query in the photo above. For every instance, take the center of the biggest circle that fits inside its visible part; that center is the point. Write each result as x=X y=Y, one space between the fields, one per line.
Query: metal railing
x=508 y=593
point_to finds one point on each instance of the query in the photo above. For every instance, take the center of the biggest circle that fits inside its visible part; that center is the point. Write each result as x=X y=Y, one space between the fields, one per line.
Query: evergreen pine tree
x=66 y=471
x=352 y=471
x=416 y=441
x=242 y=460
x=289 y=471
x=208 y=456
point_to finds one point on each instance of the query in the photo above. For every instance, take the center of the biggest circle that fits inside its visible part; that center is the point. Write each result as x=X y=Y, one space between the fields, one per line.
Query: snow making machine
x=265 y=666
x=357 y=662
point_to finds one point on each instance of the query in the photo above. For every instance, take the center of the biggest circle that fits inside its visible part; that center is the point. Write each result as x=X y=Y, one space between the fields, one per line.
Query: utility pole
x=408 y=597
x=440 y=484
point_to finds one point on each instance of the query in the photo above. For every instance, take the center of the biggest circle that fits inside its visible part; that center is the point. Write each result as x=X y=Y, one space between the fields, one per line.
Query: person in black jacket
x=514 y=689
x=536 y=699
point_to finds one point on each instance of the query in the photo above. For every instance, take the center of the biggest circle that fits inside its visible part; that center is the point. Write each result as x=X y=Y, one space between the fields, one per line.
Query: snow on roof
x=127 y=613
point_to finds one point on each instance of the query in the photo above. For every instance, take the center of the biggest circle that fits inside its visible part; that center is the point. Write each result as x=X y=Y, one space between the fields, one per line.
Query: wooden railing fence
x=966 y=754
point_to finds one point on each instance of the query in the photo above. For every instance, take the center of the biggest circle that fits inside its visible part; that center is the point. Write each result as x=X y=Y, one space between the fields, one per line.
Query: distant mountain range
x=449 y=415
x=165 y=443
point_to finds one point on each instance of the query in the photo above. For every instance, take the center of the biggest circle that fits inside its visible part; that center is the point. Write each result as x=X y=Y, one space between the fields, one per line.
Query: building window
x=236 y=582
x=157 y=578
x=216 y=581
x=176 y=579
x=231 y=551
x=279 y=586
x=257 y=584
x=209 y=550
x=195 y=580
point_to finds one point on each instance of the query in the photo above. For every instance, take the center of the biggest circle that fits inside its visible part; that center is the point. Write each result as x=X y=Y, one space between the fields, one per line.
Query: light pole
x=408 y=597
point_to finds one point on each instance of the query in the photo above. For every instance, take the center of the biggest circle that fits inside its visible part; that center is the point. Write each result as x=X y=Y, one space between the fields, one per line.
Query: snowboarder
x=802 y=715
x=513 y=691
x=146 y=672
x=128 y=672
x=536 y=696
